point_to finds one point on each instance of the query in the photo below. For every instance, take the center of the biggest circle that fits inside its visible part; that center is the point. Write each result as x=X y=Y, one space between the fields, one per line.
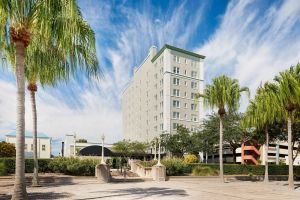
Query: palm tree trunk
x=221 y=149
x=20 y=186
x=290 y=151
x=266 y=156
x=35 y=178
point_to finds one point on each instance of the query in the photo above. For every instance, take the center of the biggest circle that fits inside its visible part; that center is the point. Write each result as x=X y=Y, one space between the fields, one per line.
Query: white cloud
x=100 y=105
x=253 y=44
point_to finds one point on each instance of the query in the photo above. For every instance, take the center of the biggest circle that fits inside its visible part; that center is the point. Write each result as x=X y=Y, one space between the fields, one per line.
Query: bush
x=174 y=166
x=191 y=158
x=3 y=170
x=204 y=171
x=148 y=163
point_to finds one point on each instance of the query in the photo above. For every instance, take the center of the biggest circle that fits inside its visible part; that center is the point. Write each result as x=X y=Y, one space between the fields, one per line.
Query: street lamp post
x=102 y=157
x=155 y=148
x=74 y=144
x=158 y=163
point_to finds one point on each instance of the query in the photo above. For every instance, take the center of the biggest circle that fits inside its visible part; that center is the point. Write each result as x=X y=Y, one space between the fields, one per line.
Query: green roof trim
x=166 y=46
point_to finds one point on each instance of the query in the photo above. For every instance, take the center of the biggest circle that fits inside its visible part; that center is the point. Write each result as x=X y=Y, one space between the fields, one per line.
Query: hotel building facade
x=161 y=94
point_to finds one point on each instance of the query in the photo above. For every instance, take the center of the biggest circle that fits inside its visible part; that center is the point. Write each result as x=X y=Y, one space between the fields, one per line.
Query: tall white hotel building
x=161 y=94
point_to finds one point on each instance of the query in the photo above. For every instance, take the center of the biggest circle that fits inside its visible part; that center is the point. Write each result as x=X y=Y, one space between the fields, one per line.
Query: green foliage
x=148 y=163
x=174 y=166
x=71 y=166
x=128 y=148
x=190 y=158
x=178 y=143
x=223 y=93
x=7 y=150
x=204 y=171
x=3 y=170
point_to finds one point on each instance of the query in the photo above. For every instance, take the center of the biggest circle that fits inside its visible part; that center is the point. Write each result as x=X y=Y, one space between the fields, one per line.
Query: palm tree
x=32 y=23
x=261 y=113
x=224 y=94
x=287 y=92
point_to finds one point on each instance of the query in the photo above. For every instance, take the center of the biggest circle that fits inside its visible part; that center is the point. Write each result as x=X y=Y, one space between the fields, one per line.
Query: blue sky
x=251 y=40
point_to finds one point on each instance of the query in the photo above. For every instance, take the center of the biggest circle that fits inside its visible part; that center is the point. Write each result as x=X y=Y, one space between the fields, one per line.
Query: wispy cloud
x=253 y=43
x=93 y=108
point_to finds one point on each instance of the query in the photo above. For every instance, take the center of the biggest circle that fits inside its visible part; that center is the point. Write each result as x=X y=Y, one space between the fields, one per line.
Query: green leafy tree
x=261 y=113
x=178 y=143
x=287 y=92
x=7 y=149
x=224 y=94
x=32 y=23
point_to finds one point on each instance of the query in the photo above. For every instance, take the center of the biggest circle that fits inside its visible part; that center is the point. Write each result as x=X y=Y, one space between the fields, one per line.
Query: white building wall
x=43 y=145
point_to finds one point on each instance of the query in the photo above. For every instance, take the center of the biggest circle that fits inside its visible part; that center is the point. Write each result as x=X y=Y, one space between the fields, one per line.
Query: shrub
x=3 y=170
x=191 y=158
x=148 y=163
x=204 y=171
x=174 y=166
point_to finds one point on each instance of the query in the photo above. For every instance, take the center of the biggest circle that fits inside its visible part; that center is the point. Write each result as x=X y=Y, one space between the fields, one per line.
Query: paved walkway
x=67 y=187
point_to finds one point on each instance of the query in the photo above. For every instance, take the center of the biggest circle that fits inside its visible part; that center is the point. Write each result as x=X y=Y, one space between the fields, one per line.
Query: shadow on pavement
x=140 y=193
x=40 y=195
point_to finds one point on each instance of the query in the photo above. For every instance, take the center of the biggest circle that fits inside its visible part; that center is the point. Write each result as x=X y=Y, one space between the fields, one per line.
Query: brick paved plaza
x=67 y=187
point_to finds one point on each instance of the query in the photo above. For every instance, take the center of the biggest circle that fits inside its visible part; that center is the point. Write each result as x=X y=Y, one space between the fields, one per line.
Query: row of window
x=178 y=59
x=31 y=147
x=176 y=115
x=176 y=70
x=175 y=125
x=176 y=92
x=176 y=104
x=176 y=81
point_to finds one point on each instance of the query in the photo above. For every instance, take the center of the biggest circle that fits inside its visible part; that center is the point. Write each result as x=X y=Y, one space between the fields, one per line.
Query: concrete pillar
x=102 y=172
x=159 y=173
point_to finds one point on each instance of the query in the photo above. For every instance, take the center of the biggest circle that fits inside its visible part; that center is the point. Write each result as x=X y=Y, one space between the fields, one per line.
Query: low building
x=277 y=153
x=72 y=146
x=43 y=144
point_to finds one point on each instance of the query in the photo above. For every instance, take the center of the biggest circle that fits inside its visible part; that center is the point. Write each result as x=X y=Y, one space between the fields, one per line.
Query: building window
x=161 y=70
x=161 y=59
x=155 y=118
x=43 y=147
x=185 y=105
x=161 y=126
x=155 y=76
x=25 y=147
x=193 y=74
x=176 y=92
x=193 y=106
x=161 y=82
x=176 y=115
x=193 y=96
x=175 y=126
x=194 y=118
x=155 y=128
x=176 y=59
x=161 y=93
x=161 y=104
x=193 y=85
x=176 y=81
x=161 y=115
x=31 y=147
x=176 y=104
x=176 y=70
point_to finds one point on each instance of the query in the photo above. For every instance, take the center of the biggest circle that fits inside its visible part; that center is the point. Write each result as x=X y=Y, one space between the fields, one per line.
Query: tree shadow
x=140 y=193
x=40 y=195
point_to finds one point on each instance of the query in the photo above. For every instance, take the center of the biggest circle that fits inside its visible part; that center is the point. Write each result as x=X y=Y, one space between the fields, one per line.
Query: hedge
x=175 y=167
x=70 y=166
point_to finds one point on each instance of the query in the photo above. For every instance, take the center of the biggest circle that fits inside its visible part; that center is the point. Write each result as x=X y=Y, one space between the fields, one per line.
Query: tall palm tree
x=224 y=94
x=287 y=92
x=31 y=23
x=261 y=113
